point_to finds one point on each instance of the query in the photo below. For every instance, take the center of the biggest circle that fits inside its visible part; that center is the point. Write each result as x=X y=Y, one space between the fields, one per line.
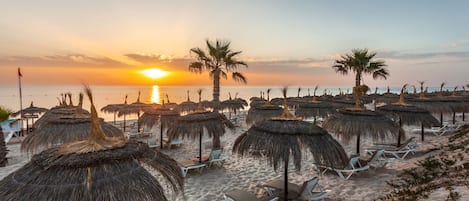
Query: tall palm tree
x=219 y=60
x=360 y=62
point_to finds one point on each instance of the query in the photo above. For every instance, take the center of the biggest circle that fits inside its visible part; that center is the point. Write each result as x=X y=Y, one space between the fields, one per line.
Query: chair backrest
x=152 y=141
x=308 y=186
x=376 y=155
x=406 y=143
x=215 y=154
x=354 y=162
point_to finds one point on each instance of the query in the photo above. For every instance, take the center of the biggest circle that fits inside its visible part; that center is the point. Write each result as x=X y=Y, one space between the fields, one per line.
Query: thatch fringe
x=54 y=133
x=350 y=123
x=115 y=174
x=281 y=139
x=410 y=115
x=192 y=125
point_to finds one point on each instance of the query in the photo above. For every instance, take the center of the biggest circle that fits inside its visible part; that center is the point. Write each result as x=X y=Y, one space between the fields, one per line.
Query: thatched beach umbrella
x=348 y=123
x=133 y=108
x=99 y=168
x=111 y=108
x=170 y=104
x=187 y=106
x=30 y=112
x=66 y=128
x=233 y=104
x=286 y=138
x=62 y=109
x=193 y=125
x=409 y=115
x=262 y=112
x=314 y=108
x=165 y=116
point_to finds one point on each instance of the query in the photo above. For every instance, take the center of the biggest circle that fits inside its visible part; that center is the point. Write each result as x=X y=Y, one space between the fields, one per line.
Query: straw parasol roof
x=286 y=138
x=262 y=112
x=62 y=130
x=188 y=105
x=196 y=124
x=64 y=109
x=350 y=122
x=31 y=110
x=99 y=168
x=170 y=104
x=407 y=114
x=233 y=104
x=314 y=108
x=111 y=108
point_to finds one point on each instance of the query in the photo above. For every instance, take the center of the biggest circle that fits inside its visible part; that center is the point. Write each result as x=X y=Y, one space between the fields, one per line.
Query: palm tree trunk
x=216 y=91
x=356 y=91
x=216 y=144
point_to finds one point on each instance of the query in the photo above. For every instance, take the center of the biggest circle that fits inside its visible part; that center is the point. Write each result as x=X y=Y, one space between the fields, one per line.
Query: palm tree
x=219 y=60
x=360 y=62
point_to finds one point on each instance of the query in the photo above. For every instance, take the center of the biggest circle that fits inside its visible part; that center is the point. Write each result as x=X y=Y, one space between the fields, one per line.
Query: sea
x=47 y=95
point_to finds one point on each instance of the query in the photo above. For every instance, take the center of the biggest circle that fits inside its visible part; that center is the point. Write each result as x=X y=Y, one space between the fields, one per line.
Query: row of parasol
x=272 y=134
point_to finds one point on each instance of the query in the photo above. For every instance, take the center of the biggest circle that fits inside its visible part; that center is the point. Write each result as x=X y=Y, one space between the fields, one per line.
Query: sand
x=250 y=173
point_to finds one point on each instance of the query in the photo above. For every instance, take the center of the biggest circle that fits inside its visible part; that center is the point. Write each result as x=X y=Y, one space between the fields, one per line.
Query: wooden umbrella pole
x=200 y=146
x=358 y=144
x=399 y=135
x=422 y=132
x=161 y=134
x=454 y=117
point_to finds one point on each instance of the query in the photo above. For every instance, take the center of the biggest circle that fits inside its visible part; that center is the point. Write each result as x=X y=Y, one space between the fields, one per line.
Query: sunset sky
x=283 y=42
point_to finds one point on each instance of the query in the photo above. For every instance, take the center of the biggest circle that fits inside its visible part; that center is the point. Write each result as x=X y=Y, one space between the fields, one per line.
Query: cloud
x=457 y=44
x=165 y=61
x=426 y=55
x=69 y=60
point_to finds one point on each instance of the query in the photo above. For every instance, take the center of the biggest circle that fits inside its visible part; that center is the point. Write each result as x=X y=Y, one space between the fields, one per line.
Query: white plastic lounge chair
x=153 y=143
x=436 y=130
x=215 y=158
x=345 y=173
x=303 y=192
x=173 y=142
x=409 y=146
x=377 y=158
x=240 y=195
x=187 y=165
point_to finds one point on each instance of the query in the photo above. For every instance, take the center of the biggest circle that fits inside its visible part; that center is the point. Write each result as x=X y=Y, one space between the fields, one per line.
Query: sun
x=154 y=73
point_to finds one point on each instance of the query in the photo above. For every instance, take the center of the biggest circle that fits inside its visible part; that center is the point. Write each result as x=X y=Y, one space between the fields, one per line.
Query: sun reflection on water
x=155 y=94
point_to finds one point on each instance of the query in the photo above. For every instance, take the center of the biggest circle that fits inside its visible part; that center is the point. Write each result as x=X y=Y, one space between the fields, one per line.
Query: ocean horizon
x=47 y=95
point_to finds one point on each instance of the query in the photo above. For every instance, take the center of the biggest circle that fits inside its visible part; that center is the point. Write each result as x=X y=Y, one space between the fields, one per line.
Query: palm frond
x=196 y=67
x=238 y=77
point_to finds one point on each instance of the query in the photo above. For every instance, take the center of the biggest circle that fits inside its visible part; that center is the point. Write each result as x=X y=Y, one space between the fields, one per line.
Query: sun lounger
x=173 y=142
x=345 y=173
x=215 y=158
x=153 y=143
x=187 y=165
x=436 y=130
x=303 y=192
x=377 y=158
x=240 y=195
x=409 y=146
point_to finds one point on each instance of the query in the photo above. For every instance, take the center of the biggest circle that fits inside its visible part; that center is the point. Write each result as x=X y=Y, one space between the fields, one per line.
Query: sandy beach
x=249 y=173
